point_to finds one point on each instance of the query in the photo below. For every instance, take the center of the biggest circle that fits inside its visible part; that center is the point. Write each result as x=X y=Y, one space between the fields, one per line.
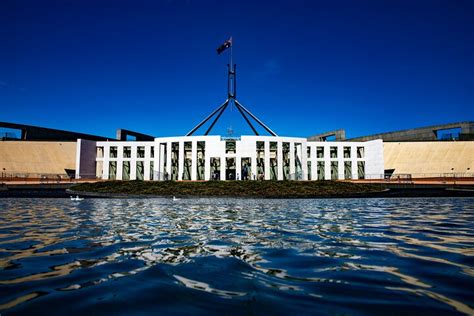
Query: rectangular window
x=126 y=170
x=334 y=170
x=333 y=152
x=230 y=147
x=99 y=169
x=140 y=152
x=246 y=165
x=113 y=152
x=100 y=152
x=361 y=169
x=308 y=152
x=140 y=170
x=273 y=160
x=286 y=161
x=260 y=161
x=347 y=152
x=174 y=160
x=201 y=154
x=188 y=158
x=360 y=152
x=309 y=169
x=321 y=170
x=112 y=170
x=152 y=152
x=347 y=170
x=230 y=169
x=319 y=152
x=215 y=168
x=127 y=152
x=152 y=172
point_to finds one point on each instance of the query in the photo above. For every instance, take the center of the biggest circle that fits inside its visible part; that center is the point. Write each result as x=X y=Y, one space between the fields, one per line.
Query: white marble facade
x=278 y=158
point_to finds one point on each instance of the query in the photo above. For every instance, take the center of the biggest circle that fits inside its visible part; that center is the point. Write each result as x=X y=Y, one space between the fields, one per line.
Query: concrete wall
x=428 y=133
x=33 y=158
x=418 y=158
x=85 y=166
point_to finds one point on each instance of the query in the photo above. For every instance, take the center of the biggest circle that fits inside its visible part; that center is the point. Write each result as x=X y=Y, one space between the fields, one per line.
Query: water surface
x=237 y=256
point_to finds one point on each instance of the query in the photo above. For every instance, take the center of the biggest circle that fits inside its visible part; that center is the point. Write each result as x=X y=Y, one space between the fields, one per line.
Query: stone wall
x=418 y=158
x=34 y=158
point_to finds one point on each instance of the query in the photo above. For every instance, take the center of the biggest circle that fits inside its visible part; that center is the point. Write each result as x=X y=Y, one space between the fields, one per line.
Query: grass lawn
x=266 y=189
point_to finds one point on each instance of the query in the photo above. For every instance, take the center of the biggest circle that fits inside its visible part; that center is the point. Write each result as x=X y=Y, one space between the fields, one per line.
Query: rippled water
x=237 y=256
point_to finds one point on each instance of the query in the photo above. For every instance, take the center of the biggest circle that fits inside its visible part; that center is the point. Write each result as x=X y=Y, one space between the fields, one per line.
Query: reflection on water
x=270 y=256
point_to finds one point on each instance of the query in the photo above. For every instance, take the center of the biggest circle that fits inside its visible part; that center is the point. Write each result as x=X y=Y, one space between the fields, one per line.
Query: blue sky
x=303 y=67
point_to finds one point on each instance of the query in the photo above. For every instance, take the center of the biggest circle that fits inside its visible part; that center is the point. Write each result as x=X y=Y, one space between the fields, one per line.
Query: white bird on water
x=77 y=198
x=175 y=198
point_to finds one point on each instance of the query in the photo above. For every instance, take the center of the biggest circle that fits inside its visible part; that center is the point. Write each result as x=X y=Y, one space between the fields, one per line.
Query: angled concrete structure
x=428 y=133
x=36 y=133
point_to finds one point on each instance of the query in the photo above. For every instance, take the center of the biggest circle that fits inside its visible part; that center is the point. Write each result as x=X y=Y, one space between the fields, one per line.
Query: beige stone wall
x=29 y=157
x=429 y=157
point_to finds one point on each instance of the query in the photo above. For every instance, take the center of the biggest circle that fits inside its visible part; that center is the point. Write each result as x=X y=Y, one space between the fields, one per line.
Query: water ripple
x=271 y=256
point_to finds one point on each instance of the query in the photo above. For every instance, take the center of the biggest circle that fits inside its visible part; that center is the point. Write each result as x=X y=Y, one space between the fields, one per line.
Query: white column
x=340 y=159
x=207 y=165
x=280 y=160
x=147 y=161
x=292 y=160
x=168 y=159
x=267 y=160
x=253 y=168
x=119 y=162
x=354 y=162
x=223 y=166
x=160 y=152
x=105 y=173
x=301 y=152
x=314 y=164
x=181 y=161
x=193 y=160
x=133 y=163
x=238 y=167
x=327 y=163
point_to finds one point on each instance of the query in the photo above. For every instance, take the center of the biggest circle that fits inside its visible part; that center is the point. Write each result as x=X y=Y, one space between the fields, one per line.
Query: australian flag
x=224 y=46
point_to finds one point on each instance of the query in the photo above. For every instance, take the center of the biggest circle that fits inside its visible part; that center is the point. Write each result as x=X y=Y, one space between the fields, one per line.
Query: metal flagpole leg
x=207 y=118
x=246 y=119
x=217 y=118
x=256 y=119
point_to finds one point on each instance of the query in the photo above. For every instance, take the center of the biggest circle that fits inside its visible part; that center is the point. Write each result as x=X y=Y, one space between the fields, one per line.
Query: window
x=141 y=152
x=333 y=152
x=126 y=170
x=347 y=170
x=321 y=170
x=334 y=170
x=140 y=170
x=215 y=168
x=308 y=152
x=112 y=170
x=201 y=153
x=230 y=147
x=319 y=152
x=100 y=152
x=127 y=152
x=360 y=152
x=113 y=152
x=309 y=169
x=347 y=152
x=361 y=169
x=152 y=152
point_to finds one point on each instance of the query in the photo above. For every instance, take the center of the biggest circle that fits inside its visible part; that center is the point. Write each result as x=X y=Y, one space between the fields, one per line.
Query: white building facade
x=203 y=158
